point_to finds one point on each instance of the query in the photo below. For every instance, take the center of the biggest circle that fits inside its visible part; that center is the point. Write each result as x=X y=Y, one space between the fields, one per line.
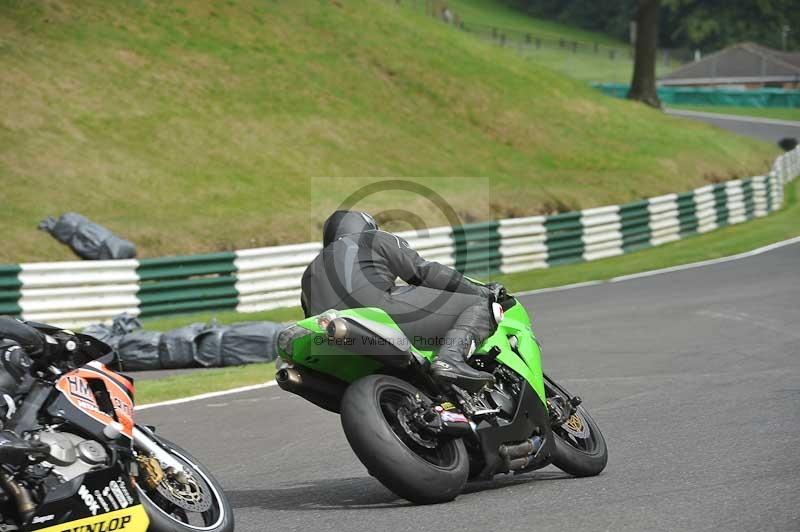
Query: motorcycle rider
x=18 y=342
x=358 y=267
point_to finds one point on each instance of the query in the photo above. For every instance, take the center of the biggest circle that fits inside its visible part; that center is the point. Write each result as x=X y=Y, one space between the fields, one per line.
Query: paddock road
x=694 y=377
x=759 y=128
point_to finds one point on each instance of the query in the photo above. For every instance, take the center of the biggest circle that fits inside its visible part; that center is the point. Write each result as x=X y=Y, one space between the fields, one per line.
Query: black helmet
x=342 y=223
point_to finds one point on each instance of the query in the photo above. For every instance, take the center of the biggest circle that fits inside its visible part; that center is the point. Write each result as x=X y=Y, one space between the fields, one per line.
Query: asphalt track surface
x=759 y=128
x=693 y=376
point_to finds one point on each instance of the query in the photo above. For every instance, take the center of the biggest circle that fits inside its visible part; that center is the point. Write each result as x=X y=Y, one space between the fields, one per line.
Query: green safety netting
x=713 y=96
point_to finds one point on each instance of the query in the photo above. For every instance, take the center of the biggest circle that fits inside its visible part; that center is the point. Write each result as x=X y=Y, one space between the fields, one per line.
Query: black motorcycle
x=90 y=467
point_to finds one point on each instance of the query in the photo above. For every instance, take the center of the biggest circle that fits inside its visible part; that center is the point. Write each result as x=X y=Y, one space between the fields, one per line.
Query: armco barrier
x=10 y=289
x=80 y=292
x=522 y=244
x=270 y=277
x=186 y=284
x=477 y=248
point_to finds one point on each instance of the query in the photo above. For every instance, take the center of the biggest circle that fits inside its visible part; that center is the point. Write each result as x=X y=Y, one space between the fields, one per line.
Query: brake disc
x=189 y=493
x=576 y=426
x=403 y=418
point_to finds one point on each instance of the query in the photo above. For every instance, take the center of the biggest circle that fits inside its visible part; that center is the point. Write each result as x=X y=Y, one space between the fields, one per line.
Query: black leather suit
x=439 y=308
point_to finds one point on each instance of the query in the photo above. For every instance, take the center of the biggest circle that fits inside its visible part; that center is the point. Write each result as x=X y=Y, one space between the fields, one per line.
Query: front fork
x=560 y=404
x=144 y=441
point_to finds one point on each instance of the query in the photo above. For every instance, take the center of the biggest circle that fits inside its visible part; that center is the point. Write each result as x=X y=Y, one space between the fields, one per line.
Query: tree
x=643 y=85
x=714 y=24
x=607 y=16
x=708 y=25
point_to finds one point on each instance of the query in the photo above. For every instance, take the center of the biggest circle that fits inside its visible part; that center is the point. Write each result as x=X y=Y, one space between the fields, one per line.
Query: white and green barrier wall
x=81 y=292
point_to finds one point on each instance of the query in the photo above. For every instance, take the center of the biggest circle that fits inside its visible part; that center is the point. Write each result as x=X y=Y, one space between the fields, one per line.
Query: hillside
x=586 y=64
x=198 y=126
x=499 y=13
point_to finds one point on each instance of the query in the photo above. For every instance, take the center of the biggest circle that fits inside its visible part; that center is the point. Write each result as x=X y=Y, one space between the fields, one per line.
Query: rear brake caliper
x=412 y=417
x=443 y=420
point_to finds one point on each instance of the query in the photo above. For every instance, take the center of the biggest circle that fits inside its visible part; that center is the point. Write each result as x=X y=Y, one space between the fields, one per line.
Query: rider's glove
x=499 y=293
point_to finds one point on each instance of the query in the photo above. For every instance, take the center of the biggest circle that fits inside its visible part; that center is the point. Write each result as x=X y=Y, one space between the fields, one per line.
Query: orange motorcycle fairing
x=78 y=387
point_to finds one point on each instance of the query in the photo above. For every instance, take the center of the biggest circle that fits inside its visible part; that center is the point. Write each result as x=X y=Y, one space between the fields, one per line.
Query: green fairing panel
x=312 y=352
x=517 y=323
x=315 y=352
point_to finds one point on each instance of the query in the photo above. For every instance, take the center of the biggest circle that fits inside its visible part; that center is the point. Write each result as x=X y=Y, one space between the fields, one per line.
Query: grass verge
x=223 y=318
x=199 y=382
x=728 y=241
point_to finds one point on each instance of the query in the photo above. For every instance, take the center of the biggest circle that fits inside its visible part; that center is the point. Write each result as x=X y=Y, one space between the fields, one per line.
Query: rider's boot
x=451 y=366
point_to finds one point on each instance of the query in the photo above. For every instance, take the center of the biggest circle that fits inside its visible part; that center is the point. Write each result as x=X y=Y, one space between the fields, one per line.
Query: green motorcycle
x=423 y=439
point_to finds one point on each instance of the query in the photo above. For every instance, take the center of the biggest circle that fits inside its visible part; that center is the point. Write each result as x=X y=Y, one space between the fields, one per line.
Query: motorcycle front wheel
x=580 y=448
x=375 y=412
x=196 y=505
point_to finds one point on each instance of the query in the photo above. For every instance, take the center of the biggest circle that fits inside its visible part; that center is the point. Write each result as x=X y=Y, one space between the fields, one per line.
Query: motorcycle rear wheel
x=412 y=465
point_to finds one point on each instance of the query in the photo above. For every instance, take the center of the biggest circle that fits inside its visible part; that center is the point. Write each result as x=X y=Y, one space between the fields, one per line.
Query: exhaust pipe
x=521 y=455
x=364 y=337
x=22 y=497
x=324 y=391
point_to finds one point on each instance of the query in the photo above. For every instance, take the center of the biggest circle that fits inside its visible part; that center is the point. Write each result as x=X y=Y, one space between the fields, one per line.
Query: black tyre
x=580 y=448
x=412 y=465
x=170 y=515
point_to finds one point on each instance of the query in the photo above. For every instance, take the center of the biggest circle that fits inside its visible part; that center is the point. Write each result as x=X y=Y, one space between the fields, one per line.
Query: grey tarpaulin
x=209 y=347
x=87 y=239
x=242 y=343
x=245 y=343
x=113 y=334
x=138 y=350
x=177 y=348
x=102 y=332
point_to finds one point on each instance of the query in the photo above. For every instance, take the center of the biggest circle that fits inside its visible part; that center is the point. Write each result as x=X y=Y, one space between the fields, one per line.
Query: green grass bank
x=198 y=126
